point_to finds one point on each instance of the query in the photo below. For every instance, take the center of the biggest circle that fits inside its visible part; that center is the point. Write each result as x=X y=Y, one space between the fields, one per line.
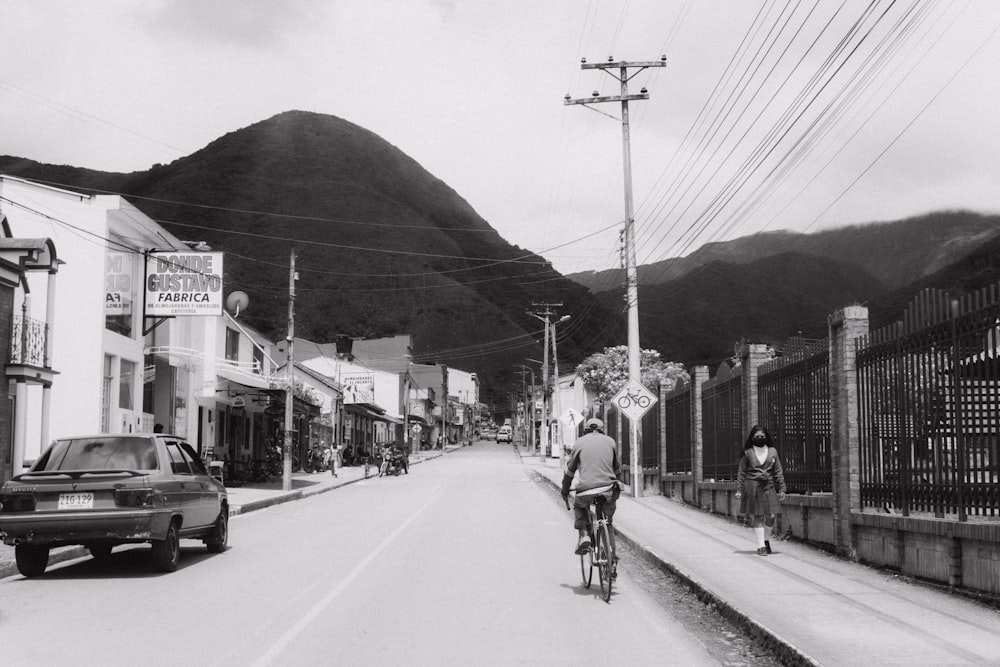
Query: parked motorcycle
x=318 y=459
x=394 y=462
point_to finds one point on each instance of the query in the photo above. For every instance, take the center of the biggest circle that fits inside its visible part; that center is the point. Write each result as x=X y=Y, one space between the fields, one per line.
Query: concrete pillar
x=699 y=376
x=50 y=318
x=20 y=426
x=46 y=417
x=662 y=416
x=846 y=326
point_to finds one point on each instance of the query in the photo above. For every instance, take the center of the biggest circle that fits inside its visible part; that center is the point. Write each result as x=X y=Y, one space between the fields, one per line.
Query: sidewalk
x=811 y=607
x=249 y=498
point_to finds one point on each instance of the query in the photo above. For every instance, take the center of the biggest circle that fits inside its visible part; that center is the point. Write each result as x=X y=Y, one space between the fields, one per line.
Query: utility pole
x=547 y=312
x=631 y=281
x=529 y=408
x=444 y=406
x=286 y=466
x=557 y=399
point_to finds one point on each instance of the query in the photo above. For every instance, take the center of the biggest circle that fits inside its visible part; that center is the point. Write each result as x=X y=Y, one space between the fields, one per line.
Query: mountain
x=976 y=270
x=897 y=253
x=700 y=316
x=382 y=246
x=385 y=248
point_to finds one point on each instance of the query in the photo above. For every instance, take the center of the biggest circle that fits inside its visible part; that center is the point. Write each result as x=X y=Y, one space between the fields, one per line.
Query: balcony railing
x=28 y=342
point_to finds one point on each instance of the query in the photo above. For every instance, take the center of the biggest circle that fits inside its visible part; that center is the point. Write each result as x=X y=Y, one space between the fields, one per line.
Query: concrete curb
x=254 y=505
x=63 y=554
x=783 y=649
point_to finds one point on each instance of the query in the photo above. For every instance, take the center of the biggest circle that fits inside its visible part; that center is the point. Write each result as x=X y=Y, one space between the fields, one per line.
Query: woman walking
x=760 y=484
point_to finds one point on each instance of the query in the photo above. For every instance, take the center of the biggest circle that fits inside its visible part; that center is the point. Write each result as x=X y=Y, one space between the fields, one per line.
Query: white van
x=504 y=434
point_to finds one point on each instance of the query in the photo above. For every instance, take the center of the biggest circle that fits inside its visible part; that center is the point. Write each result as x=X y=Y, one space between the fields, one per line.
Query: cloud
x=247 y=24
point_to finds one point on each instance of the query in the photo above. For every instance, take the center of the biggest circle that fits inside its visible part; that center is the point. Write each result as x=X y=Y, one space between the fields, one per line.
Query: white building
x=194 y=370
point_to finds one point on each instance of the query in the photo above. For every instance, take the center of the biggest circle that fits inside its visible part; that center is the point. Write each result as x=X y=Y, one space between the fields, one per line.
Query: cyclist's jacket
x=595 y=457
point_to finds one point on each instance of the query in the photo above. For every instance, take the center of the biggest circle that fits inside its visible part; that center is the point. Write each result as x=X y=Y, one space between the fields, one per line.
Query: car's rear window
x=105 y=453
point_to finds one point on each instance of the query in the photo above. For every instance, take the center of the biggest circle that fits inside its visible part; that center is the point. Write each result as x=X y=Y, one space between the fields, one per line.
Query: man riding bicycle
x=595 y=459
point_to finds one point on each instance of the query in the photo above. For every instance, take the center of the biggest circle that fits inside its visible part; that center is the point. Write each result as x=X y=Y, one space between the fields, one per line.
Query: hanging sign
x=358 y=388
x=183 y=283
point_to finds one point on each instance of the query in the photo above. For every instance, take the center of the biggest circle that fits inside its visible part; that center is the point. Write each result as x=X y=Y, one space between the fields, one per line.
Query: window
x=119 y=291
x=103 y=453
x=126 y=379
x=232 y=345
x=258 y=360
x=197 y=467
x=178 y=464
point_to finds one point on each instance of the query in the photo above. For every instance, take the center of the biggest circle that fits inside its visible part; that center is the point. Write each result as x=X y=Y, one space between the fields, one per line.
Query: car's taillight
x=134 y=497
x=17 y=502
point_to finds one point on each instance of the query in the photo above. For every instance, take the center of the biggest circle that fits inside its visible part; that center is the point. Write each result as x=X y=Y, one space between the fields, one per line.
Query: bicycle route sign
x=633 y=400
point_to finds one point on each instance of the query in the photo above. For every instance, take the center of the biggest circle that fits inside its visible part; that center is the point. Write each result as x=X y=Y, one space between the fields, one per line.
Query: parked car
x=505 y=434
x=104 y=490
x=488 y=434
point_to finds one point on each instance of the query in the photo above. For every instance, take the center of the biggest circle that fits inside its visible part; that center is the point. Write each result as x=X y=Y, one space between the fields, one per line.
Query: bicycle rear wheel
x=604 y=559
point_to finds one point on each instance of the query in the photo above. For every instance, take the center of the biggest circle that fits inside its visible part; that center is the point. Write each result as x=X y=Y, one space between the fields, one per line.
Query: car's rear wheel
x=217 y=541
x=167 y=552
x=31 y=559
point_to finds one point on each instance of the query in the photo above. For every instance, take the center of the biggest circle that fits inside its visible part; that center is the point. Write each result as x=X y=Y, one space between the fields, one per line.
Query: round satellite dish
x=237 y=302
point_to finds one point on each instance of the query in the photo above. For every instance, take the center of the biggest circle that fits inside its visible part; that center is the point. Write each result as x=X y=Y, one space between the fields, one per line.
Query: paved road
x=465 y=560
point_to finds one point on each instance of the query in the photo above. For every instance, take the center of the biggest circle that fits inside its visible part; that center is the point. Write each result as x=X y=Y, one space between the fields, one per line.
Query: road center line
x=279 y=646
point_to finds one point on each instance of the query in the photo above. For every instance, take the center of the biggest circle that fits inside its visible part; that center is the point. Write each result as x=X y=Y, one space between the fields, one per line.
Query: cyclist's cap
x=593 y=423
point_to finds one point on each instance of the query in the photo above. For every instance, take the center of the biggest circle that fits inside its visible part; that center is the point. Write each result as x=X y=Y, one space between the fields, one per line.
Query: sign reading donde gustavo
x=182 y=283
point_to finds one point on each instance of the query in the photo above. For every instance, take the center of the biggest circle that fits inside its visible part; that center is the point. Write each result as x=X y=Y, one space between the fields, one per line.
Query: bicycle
x=633 y=397
x=601 y=553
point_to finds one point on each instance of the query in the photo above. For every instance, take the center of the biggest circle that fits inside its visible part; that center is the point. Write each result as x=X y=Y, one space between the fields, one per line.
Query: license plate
x=76 y=501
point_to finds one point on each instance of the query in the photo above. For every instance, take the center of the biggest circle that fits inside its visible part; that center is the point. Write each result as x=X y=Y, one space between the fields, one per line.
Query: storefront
x=304 y=416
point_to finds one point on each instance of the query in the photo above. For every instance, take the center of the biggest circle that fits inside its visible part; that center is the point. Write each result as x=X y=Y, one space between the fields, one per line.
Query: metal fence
x=649 y=432
x=929 y=398
x=611 y=421
x=677 y=429
x=722 y=429
x=794 y=404
x=28 y=340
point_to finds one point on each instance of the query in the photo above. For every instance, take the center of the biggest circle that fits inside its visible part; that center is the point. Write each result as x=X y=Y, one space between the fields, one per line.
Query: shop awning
x=240 y=376
x=369 y=410
x=277 y=404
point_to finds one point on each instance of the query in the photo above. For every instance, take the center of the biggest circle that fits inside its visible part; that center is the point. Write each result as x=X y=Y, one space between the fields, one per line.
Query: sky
x=767 y=115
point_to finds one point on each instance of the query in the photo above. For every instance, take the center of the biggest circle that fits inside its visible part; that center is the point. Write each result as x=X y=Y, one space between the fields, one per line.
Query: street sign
x=633 y=400
x=415 y=429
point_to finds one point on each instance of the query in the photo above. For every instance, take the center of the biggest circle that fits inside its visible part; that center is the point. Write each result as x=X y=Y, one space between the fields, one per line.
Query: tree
x=606 y=372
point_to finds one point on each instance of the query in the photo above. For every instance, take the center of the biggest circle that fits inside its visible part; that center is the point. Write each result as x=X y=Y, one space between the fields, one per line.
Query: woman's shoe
x=767 y=546
x=762 y=551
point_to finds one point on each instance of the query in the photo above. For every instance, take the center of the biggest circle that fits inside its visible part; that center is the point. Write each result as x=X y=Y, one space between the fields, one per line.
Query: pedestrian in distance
x=595 y=459
x=760 y=484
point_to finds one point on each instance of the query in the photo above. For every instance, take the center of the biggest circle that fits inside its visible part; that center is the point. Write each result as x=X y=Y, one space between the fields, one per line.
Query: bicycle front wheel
x=604 y=559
